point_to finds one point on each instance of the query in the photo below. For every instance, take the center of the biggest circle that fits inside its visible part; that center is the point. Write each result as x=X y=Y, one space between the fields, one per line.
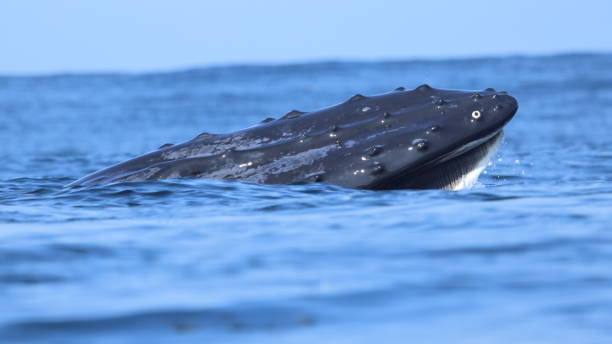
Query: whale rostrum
x=418 y=139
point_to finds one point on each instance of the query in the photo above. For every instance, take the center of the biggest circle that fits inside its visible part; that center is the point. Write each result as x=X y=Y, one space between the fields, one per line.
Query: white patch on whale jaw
x=489 y=144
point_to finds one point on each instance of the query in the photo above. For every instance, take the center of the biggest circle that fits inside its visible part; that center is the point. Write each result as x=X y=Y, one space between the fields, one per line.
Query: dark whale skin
x=375 y=142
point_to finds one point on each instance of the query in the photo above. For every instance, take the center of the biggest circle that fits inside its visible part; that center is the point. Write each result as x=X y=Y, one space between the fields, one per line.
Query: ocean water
x=525 y=256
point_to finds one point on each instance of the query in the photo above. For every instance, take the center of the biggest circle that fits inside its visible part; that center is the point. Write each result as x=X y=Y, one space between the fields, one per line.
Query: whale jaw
x=455 y=171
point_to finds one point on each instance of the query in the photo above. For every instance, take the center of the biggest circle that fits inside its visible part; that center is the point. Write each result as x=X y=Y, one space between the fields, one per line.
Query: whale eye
x=476 y=114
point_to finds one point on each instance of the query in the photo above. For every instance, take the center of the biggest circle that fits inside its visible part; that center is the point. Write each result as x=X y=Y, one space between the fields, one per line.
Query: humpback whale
x=424 y=138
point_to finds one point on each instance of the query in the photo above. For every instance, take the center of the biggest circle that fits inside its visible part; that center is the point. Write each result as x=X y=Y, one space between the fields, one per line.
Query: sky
x=53 y=36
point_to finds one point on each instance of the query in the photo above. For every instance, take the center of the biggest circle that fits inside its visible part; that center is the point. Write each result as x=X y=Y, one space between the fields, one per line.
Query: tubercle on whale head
x=293 y=114
x=423 y=88
x=356 y=97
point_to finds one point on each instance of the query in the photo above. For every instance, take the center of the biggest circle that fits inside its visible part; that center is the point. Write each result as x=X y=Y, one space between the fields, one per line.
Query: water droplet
x=432 y=129
x=439 y=101
x=378 y=168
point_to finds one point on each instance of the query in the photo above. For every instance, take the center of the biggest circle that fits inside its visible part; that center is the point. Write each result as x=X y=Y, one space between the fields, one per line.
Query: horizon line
x=297 y=62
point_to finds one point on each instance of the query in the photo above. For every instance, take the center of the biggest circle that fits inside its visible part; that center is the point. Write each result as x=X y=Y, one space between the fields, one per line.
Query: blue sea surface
x=525 y=256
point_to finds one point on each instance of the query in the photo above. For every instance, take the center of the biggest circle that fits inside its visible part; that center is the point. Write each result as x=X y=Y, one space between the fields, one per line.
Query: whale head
x=425 y=138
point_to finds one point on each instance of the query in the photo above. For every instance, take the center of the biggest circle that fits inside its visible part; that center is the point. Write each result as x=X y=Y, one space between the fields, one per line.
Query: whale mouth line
x=456 y=170
x=469 y=146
